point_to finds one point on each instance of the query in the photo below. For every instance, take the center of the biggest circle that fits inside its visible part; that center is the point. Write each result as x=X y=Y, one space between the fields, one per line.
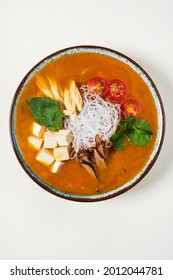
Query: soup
x=116 y=84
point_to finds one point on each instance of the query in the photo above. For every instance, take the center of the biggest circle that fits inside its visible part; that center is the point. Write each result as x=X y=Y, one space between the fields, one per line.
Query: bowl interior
x=157 y=100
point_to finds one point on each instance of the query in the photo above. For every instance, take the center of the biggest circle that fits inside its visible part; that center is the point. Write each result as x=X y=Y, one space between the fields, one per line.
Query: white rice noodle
x=97 y=117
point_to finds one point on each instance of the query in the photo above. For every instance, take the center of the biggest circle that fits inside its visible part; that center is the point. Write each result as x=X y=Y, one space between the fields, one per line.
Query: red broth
x=122 y=166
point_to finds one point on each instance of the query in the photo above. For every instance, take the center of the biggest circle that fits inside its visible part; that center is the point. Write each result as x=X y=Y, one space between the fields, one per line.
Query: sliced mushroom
x=98 y=139
x=85 y=154
x=101 y=147
x=89 y=168
x=99 y=160
x=94 y=159
x=86 y=161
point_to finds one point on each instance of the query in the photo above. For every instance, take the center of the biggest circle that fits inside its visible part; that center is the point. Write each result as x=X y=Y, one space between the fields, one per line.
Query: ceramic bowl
x=160 y=112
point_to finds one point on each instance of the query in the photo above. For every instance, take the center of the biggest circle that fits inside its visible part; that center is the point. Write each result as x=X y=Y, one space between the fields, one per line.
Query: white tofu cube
x=38 y=130
x=64 y=137
x=45 y=156
x=61 y=153
x=49 y=140
x=35 y=142
x=56 y=166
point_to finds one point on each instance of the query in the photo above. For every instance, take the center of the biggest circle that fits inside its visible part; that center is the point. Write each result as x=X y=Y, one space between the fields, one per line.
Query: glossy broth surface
x=122 y=166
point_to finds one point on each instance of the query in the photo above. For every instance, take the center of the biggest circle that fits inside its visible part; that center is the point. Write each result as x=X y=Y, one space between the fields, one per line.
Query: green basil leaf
x=46 y=111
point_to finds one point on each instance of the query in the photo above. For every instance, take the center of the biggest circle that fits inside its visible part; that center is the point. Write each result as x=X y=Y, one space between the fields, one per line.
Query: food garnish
x=46 y=111
x=94 y=159
x=97 y=117
x=98 y=85
x=35 y=142
x=56 y=92
x=113 y=90
x=85 y=124
x=130 y=107
x=50 y=88
x=117 y=90
x=72 y=100
x=44 y=85
x=138 y=132
x=45 y=156
x=69 y=99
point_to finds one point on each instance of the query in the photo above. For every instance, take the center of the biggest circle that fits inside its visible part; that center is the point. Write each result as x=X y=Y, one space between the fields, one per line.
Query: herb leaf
x=125 y=123
x=119 y=143
x=141 y=133
x=143 y=125
x=138 y=132
x=139 y=137
x=118 y=137
x=46 y=111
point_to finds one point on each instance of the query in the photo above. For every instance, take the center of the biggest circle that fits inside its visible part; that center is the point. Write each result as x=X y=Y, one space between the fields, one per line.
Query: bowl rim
x=74 y=197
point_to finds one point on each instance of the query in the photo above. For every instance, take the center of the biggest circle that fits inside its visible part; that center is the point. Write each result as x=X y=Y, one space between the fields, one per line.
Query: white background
x=37 y=225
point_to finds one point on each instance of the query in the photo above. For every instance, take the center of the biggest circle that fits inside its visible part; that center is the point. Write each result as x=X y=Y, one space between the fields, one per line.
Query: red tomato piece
x=131 y=107
x=98 y=85
x=117 y=90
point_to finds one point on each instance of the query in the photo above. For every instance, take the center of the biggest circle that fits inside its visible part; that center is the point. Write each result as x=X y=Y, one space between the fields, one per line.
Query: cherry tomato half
x=98 y=85
x=117 y=90
x=131 y=107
